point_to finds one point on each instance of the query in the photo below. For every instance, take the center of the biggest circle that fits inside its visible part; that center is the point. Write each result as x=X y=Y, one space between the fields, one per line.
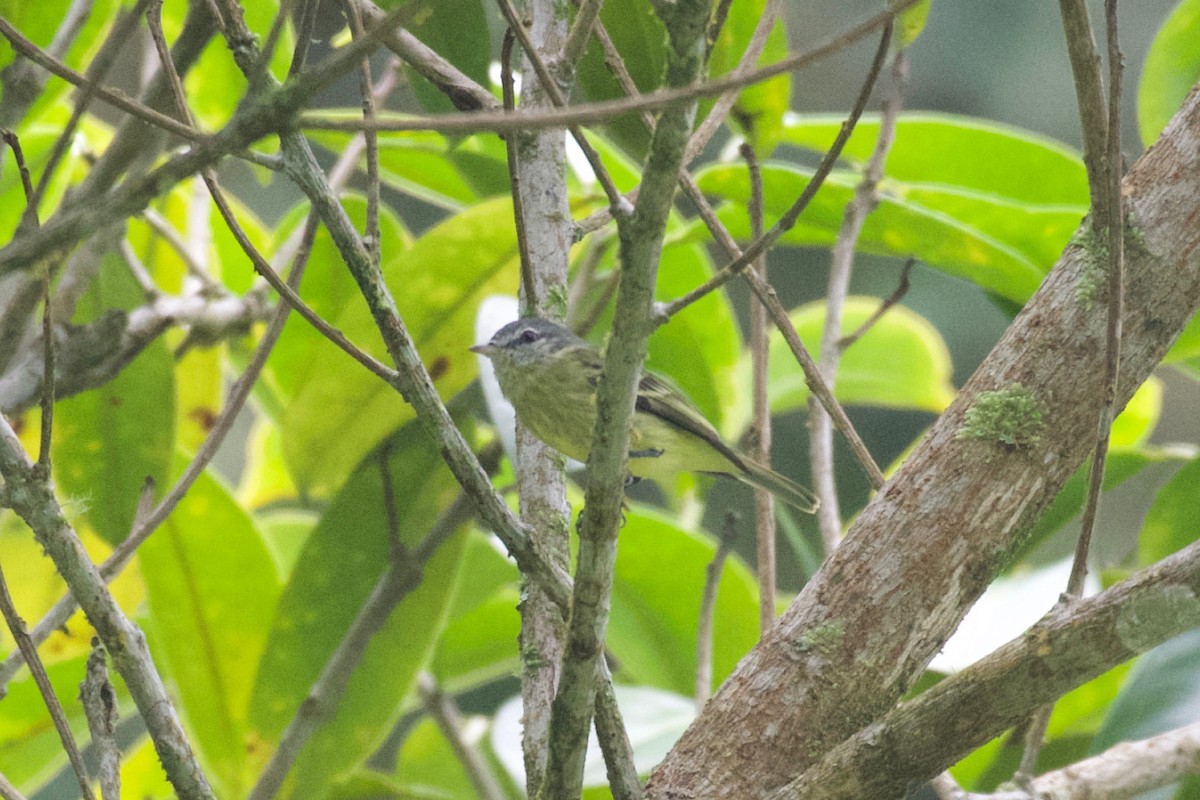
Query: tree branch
x=641 y=244
x=928 y=544
x=1067 y=648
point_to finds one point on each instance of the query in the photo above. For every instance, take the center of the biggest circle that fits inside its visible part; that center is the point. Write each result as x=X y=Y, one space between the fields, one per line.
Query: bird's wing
x=657 y=396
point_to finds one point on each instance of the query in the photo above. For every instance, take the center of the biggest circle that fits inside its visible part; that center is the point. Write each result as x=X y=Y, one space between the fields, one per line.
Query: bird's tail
x=783 y=488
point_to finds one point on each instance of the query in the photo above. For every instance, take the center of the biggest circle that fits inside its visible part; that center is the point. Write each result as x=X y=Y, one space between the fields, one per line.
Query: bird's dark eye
x=529 y=336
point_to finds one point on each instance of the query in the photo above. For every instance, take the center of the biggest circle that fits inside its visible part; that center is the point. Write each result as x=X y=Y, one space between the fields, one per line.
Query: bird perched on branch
x=550 y=376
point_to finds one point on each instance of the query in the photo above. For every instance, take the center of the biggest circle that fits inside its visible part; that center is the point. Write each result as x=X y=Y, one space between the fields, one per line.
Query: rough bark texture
x=926 y=547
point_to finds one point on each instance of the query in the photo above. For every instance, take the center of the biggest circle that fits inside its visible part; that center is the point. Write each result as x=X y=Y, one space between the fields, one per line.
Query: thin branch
x=398 y=580
x=1114 y=245
x=165 y=229
x=760 y=333
x=1107 y=215
x=16 y=626
x=446 y=716
x=463 y=92
x=641 y=244
x=34 y=501
x=98 y=69
x=514 y=172
x=788 y=220
x=21 y=81
x=841 y=264
x=8 y=791
x=110 y=96
x=892 y=299
x=600 y=112
x=371 y=235
x=555 y=92
x=708 y=604
x=749 y=58
x=581 y=32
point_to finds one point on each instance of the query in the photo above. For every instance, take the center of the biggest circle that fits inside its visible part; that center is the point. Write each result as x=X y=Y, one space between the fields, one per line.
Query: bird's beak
x=481 y=349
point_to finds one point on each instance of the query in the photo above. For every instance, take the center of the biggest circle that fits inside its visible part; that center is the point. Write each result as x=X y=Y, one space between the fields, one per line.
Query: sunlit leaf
x=342 y=560
x=969 y=236
x=212 y=587
x=1171 y=68
x=760 y=107
x=901 y=362
x=655 y=611
x=109 y=440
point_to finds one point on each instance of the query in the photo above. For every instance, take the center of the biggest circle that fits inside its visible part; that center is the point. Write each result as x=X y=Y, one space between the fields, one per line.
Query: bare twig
x=16 y=626
x=746 y=63
x=708 y=604
x=371 y=235
x=110 y=96
x=788 y=220
x=892 y=299
x=514 y=172
x=841 y=262
x=558 y=98
x=398 y=580
x=446 y=716
x=464 y=93
x=1102 y=158
x=603 y=111
x=8 y=791
x=98 y=69
x=1114 y=239
x=760 y=332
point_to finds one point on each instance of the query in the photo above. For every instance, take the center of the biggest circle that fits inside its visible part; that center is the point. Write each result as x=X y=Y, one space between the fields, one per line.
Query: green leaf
x=424 y=164
x=640 y=38
x=998 y=245
x=108 y=441
x=1082 y=710
x=1137 y=421
x=212 y=588
x=1187 y=346
x=656 y=611
x=970 y=154
x=216 y=84
x=1171 y=68
x=912 y=22
x=339 y=411
x=759 y=108
x=901 y=362
x=1170 y=524
x=339 y=566
x=480 y=641
x=457 y=30
x=1161 y=694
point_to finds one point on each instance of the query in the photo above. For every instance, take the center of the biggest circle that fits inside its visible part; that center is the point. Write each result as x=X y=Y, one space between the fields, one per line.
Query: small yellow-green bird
x=550 y=376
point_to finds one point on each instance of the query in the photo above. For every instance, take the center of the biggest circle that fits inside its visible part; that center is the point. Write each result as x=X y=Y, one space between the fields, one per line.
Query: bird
x=550 y=375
